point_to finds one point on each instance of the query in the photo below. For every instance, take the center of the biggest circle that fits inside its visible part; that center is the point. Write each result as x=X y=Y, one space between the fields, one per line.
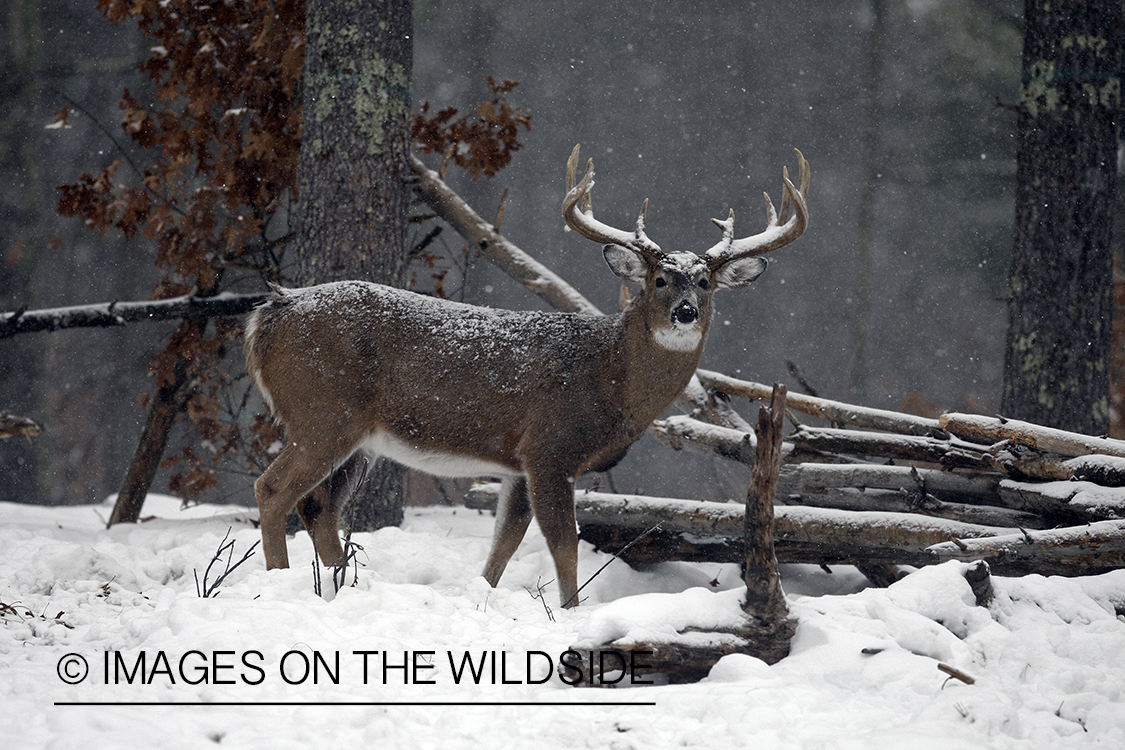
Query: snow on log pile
x=877 y=488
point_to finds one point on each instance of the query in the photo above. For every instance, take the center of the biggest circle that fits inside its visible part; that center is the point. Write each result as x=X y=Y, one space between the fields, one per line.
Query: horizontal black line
x=467 y=704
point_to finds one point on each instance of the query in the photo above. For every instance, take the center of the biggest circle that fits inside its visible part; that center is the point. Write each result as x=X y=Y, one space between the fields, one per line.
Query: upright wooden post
x=764 y=604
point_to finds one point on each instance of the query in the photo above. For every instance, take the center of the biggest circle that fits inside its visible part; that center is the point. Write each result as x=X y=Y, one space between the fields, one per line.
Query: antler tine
x=780 y=229
x=578 y=213
x=803 y=178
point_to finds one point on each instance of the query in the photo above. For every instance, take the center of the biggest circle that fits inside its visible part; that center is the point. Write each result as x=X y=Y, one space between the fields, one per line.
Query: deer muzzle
x=685 y=314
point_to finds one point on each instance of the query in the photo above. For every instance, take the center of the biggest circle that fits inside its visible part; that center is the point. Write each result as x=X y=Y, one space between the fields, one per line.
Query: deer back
x=351 y=361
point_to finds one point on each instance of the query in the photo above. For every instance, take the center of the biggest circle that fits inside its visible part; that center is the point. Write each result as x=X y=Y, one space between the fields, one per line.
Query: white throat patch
x=678 y=339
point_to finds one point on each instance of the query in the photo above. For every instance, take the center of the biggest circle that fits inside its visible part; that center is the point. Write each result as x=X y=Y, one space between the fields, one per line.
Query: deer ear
x=627 y=264
x=739 y=272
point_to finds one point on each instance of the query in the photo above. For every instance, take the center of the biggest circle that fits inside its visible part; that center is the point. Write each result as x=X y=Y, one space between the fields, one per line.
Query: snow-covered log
x=833 y=411
x=109 y=314
x=947 y=485
x=1084 y=501
x=686 y=433
x=950 y=454
x=900 y=501
x=708 y=531
x=992 y=430
x=1077 y=550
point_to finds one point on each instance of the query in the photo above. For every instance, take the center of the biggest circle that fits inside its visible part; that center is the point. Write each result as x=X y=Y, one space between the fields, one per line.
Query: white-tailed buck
x=354 y=370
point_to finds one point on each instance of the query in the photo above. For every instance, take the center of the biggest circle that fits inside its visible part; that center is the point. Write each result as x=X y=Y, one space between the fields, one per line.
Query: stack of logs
x=879 y=489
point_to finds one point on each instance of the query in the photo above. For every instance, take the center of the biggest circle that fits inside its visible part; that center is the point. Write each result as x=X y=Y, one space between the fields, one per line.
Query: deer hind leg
x=552 y=500
x=320 y=510
x=513 y=515
x=295 y=475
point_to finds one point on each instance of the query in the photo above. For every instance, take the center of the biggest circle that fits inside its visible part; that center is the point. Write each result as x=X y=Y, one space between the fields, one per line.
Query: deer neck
x=655 y=373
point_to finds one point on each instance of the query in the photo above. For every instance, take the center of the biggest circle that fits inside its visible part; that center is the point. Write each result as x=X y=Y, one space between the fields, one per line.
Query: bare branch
x=512 y=260
x=110 y=314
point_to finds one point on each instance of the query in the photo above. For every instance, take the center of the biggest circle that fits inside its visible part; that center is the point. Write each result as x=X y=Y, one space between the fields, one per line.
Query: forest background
x=894 y=298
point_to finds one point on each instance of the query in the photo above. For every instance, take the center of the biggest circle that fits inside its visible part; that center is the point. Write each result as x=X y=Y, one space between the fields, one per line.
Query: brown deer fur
x=353 y=369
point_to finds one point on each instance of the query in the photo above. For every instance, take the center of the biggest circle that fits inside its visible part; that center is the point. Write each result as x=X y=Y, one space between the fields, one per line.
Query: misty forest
x=894 y=298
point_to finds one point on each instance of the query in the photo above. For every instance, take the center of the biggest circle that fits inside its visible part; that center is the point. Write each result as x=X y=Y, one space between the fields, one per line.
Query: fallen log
x=551 y=287
x=1025 y=462
x=110 y=314
x=992 y=430
x=711 y=532
x=697 y=531
x=951 y=454
x=1082 y=501
x=900 y=501
x=685 y=433
x=945 y=485
x=1079 y=550
x=832 y=411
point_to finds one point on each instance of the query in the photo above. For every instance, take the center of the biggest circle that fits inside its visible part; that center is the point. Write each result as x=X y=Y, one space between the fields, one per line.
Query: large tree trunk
x=354 y=198
x=1056 y=369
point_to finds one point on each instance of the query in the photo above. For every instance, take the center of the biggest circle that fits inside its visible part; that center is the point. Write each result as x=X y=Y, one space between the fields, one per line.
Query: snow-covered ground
x=115 y=612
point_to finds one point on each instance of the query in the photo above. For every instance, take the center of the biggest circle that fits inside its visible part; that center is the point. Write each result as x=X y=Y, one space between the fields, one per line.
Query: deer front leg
x=552 y=500
x=513 y=515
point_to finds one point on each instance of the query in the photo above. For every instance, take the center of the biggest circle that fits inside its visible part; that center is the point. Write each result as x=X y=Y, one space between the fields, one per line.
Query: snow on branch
x=109 y=314
x=551 y=287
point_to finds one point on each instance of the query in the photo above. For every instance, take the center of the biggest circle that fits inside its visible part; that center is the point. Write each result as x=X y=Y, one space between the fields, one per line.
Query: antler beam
x=780 y=229
x=578 y=213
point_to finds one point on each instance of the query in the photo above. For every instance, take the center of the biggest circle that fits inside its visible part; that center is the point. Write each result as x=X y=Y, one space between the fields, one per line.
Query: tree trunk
x=167 y=401
x=1056 y=369
x=355 y=142
x=354 y=198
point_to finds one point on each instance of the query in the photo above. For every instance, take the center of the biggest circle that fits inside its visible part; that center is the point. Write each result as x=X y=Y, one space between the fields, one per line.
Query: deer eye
x=660 y=281
x=704 y=283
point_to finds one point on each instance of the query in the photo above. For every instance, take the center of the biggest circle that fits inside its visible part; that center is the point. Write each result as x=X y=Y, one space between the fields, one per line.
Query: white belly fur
x=438 y=464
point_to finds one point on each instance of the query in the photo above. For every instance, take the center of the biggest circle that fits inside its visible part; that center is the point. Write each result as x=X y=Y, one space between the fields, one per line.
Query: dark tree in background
x=354 y=198
x=1056 y=369
x=19 y=209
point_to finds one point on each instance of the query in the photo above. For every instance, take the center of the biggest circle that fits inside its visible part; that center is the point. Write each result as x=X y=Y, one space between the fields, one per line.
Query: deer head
x=354 y=370
x=677 y=287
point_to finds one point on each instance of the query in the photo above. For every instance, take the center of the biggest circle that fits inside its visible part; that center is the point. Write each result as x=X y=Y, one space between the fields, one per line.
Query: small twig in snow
x=538 y=594
x=225 y=546
x=639 y=537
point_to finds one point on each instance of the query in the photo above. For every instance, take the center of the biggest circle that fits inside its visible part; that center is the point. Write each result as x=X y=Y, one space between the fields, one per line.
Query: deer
x=355 y=370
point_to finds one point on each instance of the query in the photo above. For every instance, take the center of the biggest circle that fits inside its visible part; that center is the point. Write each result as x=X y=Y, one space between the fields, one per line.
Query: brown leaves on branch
x=480 y=145
x=206 y=155
x=220 y=130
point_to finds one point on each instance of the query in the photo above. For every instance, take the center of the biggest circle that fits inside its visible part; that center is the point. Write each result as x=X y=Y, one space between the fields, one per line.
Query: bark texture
x=354 y=199
x=1060 y=296
x=768 y=627
x=355 y=142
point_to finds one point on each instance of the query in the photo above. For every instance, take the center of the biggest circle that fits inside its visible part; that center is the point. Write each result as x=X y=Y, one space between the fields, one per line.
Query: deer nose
x=685 y=313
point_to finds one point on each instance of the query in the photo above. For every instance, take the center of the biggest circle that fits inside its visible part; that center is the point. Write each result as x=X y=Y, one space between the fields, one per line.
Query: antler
x=578 y=213
x=780 y=230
